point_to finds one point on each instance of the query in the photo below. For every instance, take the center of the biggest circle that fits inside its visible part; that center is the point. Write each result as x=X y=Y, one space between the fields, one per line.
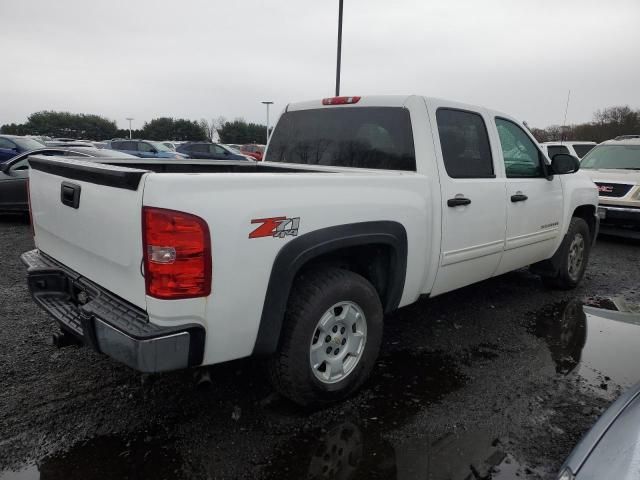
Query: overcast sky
x=207 y=58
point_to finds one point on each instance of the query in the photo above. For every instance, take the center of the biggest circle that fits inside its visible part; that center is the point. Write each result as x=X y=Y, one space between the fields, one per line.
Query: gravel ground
x=484 y=382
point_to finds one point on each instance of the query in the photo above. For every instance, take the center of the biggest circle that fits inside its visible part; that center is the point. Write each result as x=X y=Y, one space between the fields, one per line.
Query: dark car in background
x=15 y=172
x=211 y=151
x=12 y=145
x=144 y=149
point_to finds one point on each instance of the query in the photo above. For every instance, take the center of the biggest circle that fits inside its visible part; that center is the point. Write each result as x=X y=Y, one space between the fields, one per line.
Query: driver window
x=522 y=159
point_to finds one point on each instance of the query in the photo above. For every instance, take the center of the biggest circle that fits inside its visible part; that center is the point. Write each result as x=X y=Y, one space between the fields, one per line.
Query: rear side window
x=199 y=148
x=361 y=137
x=465 y=144
x=556 y=149
x=583 y=149
x=124 y=145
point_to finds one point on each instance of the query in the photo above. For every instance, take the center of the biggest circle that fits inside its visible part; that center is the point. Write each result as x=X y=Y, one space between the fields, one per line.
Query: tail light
x=340 y=100
x=33 y=231
x=177 y=254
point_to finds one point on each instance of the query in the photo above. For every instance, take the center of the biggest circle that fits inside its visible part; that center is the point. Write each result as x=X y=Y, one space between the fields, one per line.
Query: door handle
x=518 y=197
x=458 y=201
x=70 y=194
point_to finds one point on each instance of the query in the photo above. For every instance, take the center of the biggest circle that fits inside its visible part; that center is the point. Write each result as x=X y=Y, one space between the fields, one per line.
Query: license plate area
x=58 y=283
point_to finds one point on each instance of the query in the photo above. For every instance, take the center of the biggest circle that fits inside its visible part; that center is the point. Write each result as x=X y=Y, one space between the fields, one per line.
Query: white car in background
x=576 y=149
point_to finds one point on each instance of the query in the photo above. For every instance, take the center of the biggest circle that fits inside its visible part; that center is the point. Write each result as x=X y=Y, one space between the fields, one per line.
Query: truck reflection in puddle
x=597 y=340
x=362 y=446
x=350 y=452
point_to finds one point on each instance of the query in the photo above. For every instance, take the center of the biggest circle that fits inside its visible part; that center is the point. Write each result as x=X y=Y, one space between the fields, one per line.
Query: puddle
x=597 y=340
x=405 y=380
x=360 y=446
x=349 y=451
x=106 y=458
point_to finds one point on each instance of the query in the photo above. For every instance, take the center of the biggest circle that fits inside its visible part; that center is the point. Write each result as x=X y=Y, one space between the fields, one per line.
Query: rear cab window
x=556 y=149
x=582 y=149
x=360 y=137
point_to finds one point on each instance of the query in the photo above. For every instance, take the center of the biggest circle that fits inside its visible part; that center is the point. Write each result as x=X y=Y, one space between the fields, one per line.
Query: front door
x=473 y=199
x=534 y=200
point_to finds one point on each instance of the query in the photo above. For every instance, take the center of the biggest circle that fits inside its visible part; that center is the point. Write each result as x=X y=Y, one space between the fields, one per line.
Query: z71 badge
x=278 y=227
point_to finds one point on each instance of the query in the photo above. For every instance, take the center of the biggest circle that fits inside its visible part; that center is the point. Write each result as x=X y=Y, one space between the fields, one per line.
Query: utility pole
x=130 y=119
x=564 y=123
x=267 y=103
x=339 y=48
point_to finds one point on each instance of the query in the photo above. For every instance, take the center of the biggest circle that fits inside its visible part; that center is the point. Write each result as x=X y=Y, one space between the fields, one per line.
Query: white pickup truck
x=362 y=205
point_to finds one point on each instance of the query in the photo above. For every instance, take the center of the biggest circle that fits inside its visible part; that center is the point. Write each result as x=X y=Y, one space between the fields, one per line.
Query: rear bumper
x=108 y=323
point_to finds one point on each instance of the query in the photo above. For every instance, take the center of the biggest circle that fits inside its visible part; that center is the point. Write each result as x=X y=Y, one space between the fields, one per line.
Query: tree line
x=94 y=127
x=607 y=124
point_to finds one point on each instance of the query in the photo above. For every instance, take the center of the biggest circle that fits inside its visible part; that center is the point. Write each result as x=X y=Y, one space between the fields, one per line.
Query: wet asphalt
x=498 y=380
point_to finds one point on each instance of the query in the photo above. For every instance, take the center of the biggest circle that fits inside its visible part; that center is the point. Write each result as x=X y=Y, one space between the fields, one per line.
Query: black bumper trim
x=78 y=304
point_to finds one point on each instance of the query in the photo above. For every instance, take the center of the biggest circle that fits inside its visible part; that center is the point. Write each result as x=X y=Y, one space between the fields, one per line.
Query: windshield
x=27 y=143
x=161 y=147
x=613 y=156
x=363 y=137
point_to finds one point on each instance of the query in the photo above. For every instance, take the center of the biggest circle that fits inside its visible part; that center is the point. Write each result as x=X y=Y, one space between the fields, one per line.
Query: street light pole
x=339 y=49
x=267 y=103
x=130 y=119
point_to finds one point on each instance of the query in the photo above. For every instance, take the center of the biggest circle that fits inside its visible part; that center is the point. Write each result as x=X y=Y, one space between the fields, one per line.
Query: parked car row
x=14 y=173
x=613 y=165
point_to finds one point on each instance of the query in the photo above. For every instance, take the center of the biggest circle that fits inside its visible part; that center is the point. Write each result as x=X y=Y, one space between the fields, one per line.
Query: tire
x=574 y=257
x=315 y=343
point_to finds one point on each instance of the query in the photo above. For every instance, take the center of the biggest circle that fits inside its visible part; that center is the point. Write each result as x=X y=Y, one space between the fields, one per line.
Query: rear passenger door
x=534 y=202
x=473 y=198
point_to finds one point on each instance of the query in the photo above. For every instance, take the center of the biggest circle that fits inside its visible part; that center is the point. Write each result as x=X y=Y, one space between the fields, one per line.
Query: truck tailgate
x=87 y=216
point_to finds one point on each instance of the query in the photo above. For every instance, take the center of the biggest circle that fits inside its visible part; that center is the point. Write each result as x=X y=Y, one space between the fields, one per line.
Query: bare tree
x=208 y=127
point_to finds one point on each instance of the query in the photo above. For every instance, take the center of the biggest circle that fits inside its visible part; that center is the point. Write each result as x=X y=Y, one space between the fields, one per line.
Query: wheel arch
x=376 y=250
x=588 y=214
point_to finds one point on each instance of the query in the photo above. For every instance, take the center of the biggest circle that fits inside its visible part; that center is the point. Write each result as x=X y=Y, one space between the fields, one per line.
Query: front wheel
x=575 y=256
x=330 y=337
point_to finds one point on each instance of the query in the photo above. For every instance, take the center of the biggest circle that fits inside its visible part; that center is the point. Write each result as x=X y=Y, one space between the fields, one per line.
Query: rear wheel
x=330 y=337
x=575 y=256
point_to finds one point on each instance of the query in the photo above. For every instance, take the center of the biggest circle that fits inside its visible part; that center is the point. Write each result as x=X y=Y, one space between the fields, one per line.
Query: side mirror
x=153 y=150
x=563 y=163
x=4 y=168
